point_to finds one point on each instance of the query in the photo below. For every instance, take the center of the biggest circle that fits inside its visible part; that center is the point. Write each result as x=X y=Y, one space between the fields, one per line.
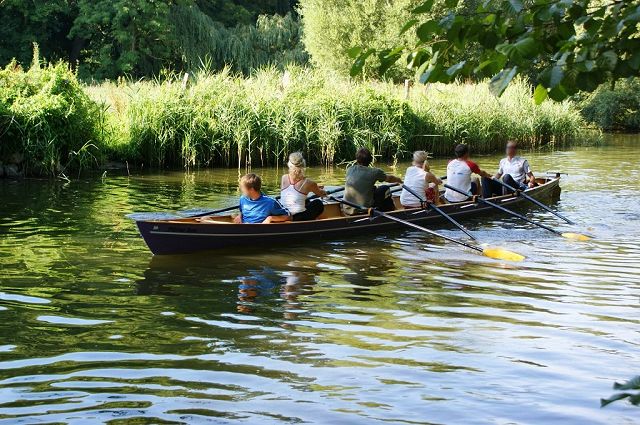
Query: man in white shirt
x=513 y=170
x=459 y=172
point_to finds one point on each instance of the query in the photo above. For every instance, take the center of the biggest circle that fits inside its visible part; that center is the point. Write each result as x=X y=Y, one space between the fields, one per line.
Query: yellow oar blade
x=576 y=236
x=502 y=254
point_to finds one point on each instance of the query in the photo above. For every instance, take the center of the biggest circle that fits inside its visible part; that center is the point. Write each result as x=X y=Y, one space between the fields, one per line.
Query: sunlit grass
x=225 y=119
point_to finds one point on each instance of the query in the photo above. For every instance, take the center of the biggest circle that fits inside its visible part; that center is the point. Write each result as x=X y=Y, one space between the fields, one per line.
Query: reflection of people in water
x=257 y=283
x=262 y=283
x=296 y=283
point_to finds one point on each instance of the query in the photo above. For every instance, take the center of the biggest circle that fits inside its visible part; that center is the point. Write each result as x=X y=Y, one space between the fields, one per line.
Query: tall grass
x=223 y=119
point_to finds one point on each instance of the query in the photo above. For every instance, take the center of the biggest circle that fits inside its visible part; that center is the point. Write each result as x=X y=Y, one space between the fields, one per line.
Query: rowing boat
x=187 y=235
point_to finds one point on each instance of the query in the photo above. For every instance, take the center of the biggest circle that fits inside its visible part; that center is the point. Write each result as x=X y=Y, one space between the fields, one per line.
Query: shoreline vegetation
x=53 y=124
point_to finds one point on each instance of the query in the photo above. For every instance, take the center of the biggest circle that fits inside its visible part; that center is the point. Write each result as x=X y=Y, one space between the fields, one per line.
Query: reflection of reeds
x=224 y=119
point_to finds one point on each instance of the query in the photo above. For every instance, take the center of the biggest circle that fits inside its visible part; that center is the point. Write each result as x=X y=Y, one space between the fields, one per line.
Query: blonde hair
x=296 y=166
x=419 y=158
x=251 y=181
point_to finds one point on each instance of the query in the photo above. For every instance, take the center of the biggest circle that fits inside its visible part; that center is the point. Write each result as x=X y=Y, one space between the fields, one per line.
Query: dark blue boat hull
x=165 y=237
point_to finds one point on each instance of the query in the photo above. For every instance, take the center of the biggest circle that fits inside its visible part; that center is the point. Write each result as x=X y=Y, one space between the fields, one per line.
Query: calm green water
x=393 y=328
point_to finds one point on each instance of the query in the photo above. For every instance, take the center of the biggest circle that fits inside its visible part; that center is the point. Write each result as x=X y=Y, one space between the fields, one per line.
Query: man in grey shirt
x=360 y=185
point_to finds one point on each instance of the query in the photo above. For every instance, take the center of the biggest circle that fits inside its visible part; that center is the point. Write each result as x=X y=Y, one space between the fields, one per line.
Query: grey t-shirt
x=360 y=184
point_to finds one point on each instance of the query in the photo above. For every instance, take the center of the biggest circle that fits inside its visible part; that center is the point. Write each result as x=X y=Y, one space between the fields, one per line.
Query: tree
x=333 y=27
x=124 y=36
x=111 y=38
x=564 y=45
x=234 y=12
x=46 y=22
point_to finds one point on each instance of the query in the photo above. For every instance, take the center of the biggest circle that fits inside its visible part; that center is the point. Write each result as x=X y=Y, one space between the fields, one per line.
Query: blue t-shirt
x=255 y=211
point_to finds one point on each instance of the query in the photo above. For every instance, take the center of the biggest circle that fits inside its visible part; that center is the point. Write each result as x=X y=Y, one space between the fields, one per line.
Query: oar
x=329 y=192
x=496 y=253
x=439 y=211
x=535 y=201
x=152 y=216
x=575 y=236
x=212 y=212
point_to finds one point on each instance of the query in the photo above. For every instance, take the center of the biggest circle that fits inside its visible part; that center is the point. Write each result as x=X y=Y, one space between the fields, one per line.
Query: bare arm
x=483 y=173
x=276 y=219
x=431 y=178
x=532 y=179
x=392 y=179
x=315 y=188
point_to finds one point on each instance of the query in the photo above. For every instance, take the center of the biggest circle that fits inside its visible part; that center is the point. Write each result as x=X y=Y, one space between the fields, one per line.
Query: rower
x=360 y=185
x=514 y=170
x=295 y=187
x=420 y=180
x=255 y=207
x=459 y=171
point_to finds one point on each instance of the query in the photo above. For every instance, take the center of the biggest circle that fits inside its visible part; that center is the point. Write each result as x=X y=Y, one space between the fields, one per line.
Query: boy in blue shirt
x=256 y=207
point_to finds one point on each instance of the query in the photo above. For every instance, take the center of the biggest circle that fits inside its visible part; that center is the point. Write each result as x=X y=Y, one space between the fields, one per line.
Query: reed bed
x=222 y=119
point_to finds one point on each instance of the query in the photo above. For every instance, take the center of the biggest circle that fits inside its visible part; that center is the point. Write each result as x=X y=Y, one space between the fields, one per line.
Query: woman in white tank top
x=420 y=180
x=294 y=189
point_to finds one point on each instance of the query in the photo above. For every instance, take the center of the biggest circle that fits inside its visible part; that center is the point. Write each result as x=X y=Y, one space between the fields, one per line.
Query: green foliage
x=124 y=36
x=565 y=46
x=47 y=117
x=204 y=43
x=614 y=109
x=139 y=38
x=633 y=397
x=333 y=27
x=46 y=22
x=229 y=120
x=243 y=12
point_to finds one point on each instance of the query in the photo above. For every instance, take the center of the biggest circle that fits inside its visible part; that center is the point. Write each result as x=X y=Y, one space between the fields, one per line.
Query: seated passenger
x=360 y=185
x=255 y=207
x=459 y=171
x=514 y=171
x=421 y=180
x=294 y=189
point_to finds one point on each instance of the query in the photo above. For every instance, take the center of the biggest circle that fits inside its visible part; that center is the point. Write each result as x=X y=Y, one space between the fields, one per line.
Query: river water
x=395 y=328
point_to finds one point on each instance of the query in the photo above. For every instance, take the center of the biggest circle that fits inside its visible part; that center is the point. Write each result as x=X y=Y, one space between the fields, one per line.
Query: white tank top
x=291 y=198
x=414 y=179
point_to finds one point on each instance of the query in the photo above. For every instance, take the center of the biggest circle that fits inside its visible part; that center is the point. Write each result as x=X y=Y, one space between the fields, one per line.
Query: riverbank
x=55 y=124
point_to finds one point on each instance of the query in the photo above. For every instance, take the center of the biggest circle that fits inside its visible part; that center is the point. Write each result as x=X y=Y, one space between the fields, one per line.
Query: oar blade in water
x=576 y=236
x=502 y=254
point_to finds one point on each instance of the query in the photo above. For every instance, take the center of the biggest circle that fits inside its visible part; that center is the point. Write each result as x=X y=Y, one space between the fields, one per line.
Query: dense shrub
x=47 y=118
x=614 y=109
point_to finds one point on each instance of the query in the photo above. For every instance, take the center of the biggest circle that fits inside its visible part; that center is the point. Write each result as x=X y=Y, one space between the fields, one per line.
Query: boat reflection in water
x=246 y=285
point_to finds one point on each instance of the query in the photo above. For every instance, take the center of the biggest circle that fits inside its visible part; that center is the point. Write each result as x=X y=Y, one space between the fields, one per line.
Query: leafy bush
x=614 y=109
x=47 y=118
